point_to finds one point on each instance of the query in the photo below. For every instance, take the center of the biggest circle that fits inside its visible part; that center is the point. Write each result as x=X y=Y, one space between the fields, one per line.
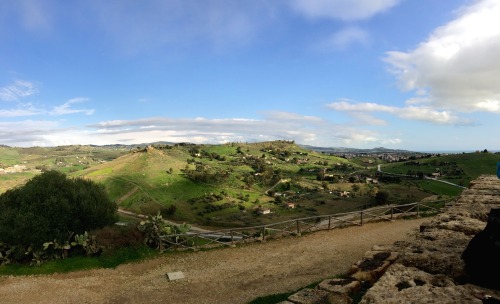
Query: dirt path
x=231 y=275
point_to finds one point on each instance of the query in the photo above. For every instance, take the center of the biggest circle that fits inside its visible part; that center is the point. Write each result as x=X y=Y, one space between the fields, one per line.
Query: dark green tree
x=50 y=207
x=382 y=197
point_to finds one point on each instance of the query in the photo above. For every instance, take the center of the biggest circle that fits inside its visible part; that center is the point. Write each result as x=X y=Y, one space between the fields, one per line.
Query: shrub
x=53 y=208
x=155 y=229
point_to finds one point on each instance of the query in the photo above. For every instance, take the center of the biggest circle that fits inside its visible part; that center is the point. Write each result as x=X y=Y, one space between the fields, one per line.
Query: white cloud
x=26 y=132
x=411 y=112
x=65 y=108
x=367 y=119
x=347 y=10
x=346 y=37
x=458 y=66
x=18 y=90
x=275 y=125
x=21 y=110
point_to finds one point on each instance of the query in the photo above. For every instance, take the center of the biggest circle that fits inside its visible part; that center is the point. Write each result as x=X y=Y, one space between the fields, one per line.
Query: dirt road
x=231 y=275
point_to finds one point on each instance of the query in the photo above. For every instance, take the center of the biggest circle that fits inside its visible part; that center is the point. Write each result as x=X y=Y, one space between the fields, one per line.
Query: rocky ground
x=231 y=275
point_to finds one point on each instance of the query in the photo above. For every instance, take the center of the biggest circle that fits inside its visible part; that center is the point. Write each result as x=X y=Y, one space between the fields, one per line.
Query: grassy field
x=457 y=168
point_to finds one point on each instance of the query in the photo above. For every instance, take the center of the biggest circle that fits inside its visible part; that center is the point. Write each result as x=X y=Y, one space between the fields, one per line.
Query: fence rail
x=296 y=227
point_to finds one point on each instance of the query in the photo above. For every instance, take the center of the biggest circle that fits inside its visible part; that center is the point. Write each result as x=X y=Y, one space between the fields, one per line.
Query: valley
x=246 y=184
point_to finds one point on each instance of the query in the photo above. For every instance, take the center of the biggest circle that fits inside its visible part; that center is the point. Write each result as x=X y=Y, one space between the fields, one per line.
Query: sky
x=420 y=75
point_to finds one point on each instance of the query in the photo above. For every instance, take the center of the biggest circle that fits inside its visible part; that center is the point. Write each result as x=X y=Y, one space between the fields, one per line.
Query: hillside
x=226 y=184
x=240 y=184
x=17 y=165
x=456 y=168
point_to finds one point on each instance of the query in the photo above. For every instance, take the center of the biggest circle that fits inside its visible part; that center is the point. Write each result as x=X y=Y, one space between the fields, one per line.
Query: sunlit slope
x=153 y=179
x=456 y=168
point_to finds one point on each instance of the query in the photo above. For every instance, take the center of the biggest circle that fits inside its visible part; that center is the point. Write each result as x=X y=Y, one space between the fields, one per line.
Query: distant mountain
x=354 y=150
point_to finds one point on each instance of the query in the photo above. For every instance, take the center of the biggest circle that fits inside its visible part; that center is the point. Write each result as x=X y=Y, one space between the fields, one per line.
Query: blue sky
x=408 y=74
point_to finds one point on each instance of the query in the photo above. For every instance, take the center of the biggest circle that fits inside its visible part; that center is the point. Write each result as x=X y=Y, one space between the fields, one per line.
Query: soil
x=229 y=275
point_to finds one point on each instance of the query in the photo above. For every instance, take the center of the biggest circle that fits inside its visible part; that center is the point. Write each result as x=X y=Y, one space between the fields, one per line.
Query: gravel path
x=231 y=275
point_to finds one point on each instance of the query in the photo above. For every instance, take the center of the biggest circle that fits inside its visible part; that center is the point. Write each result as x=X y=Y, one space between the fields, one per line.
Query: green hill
x=232 y=184
x=456 y=168
x=224 y=184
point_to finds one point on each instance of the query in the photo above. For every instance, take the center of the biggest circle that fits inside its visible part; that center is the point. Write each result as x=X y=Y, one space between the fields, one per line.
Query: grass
x=440 y=188
x=110 y=260
x=9 y=156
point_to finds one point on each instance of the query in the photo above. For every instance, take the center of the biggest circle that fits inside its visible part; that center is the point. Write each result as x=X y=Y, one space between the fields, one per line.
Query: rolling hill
x=233 y=184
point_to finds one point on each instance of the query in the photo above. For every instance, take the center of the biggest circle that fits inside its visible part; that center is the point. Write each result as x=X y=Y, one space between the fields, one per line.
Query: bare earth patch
x=230 y=275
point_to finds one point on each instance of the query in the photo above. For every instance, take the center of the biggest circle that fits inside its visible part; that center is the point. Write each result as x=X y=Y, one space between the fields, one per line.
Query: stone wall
x=429 y=269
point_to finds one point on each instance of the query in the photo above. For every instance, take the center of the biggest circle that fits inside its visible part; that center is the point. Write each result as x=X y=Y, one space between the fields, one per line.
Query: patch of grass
x=440 y=188
x=104 y=171
x=109 y=260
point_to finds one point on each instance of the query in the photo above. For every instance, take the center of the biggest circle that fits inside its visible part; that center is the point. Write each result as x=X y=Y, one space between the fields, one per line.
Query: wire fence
x=296 y=227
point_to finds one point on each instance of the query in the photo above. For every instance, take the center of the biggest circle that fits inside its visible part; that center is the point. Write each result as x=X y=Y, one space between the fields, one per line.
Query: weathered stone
x=383 y=255
x=402 y=285
x=173 y=276
x=365 y=277
x=482 y=255
x=342 y=286
x=424 y=226
x=318 y=296
x=430 y=269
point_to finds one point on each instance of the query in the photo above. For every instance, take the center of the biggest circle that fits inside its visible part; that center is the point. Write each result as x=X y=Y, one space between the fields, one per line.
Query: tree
x=382 y=197
x=52 y=207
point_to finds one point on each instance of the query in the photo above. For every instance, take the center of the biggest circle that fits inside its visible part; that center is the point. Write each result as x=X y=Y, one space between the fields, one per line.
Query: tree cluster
x=52 y=208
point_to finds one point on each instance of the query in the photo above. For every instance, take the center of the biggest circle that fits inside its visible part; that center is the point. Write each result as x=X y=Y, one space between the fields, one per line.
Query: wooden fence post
x=263 y=233
x=329 y=222
x=392 y=212
x=232 y=238
x=418 y=209
x=361 y=218
x=298 y=228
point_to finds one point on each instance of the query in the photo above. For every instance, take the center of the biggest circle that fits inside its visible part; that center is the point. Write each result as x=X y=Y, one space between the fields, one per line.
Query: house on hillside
x=290 y=205
x=263 y=210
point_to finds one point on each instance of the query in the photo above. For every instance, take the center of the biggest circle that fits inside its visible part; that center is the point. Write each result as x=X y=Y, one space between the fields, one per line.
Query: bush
x=382 y=197
x=51 y=207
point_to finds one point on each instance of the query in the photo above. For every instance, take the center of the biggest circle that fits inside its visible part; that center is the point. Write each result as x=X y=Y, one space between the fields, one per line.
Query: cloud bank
x=272 y=126
x=458 y=66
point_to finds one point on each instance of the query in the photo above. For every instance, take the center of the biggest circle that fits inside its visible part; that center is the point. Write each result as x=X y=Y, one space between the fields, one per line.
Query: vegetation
x=54 y=216
x=155 y=228
x=109 y=259
x=49 y=213
x=225 y=185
